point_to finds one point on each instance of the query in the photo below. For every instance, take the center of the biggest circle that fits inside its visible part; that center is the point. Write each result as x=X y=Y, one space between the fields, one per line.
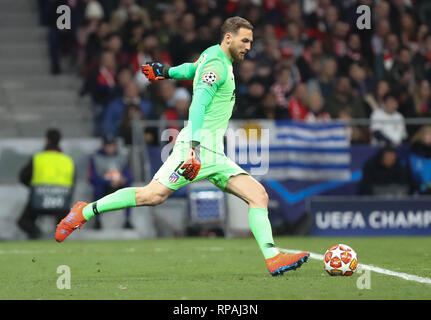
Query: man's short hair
x=54 y=136
x=233 y=24
x=109 y=138
x=389 y=95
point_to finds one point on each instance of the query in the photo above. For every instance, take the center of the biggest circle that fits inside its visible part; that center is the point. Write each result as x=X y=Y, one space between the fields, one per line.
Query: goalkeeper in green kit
x=199 y=151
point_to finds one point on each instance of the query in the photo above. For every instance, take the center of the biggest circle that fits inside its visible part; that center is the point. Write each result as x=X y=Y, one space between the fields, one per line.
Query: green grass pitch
x=205 y=269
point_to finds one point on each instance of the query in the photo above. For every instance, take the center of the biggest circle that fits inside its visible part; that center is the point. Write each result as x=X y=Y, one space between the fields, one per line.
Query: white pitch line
x=401 y=275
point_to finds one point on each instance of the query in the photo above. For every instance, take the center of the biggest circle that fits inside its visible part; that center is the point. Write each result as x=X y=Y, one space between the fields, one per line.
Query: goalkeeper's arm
x=155 y=71
x=185 y=71
x=202 y=97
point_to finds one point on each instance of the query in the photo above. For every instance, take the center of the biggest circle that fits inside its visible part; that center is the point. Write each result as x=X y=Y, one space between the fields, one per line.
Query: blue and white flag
x=291 y=150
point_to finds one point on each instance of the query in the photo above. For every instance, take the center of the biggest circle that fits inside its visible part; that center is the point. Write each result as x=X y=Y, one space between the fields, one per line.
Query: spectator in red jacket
x=297 y=105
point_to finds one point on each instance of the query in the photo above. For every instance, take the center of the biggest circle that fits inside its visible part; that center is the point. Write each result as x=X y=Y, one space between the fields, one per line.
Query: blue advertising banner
x=369 y=216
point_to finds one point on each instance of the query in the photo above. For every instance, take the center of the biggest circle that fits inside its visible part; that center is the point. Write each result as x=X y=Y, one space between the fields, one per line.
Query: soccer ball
x=340 y=260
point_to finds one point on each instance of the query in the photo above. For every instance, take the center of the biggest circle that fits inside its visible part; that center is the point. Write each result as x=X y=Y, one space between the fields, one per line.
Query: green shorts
x=216 y=168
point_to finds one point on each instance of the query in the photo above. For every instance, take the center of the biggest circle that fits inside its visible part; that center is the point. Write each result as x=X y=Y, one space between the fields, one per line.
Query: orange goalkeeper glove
x=155 y=71
x=192 y=165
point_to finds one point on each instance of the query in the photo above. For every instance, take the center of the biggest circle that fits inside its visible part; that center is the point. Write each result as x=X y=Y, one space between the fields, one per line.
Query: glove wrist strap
x=194 y=144
x=165 y=72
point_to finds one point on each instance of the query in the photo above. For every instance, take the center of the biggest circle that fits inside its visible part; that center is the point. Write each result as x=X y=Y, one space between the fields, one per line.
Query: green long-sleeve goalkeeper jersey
x=213 y=97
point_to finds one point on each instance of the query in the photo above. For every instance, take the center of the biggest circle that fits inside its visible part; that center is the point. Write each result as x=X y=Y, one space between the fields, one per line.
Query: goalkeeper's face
x=240 y=43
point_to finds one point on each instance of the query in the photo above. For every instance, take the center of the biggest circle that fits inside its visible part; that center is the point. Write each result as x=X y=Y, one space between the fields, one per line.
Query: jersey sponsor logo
x=173 y=177
x=209 y=78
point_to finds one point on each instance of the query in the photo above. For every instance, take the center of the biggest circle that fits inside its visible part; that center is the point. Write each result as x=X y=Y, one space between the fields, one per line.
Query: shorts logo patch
x=209 y=78
x=173 y=177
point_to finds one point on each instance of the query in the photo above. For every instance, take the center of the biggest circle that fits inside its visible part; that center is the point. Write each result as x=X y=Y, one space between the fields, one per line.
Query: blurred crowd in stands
x=309 y=61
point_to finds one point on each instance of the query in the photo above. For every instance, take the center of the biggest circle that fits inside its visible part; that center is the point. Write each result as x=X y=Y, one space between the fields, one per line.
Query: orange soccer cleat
x=283 y=262
x=74 y=220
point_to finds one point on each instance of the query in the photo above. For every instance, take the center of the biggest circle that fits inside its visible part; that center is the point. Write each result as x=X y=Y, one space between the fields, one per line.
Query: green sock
x=262 y=231
x=119 y=199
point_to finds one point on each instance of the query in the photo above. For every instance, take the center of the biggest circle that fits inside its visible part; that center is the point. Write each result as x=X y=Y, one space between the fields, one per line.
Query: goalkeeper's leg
x=150 y=195
x=252 y=192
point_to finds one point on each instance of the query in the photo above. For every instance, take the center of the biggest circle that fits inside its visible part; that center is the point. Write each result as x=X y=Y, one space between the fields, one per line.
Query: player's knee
x=261 y=198
x=264 y=198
